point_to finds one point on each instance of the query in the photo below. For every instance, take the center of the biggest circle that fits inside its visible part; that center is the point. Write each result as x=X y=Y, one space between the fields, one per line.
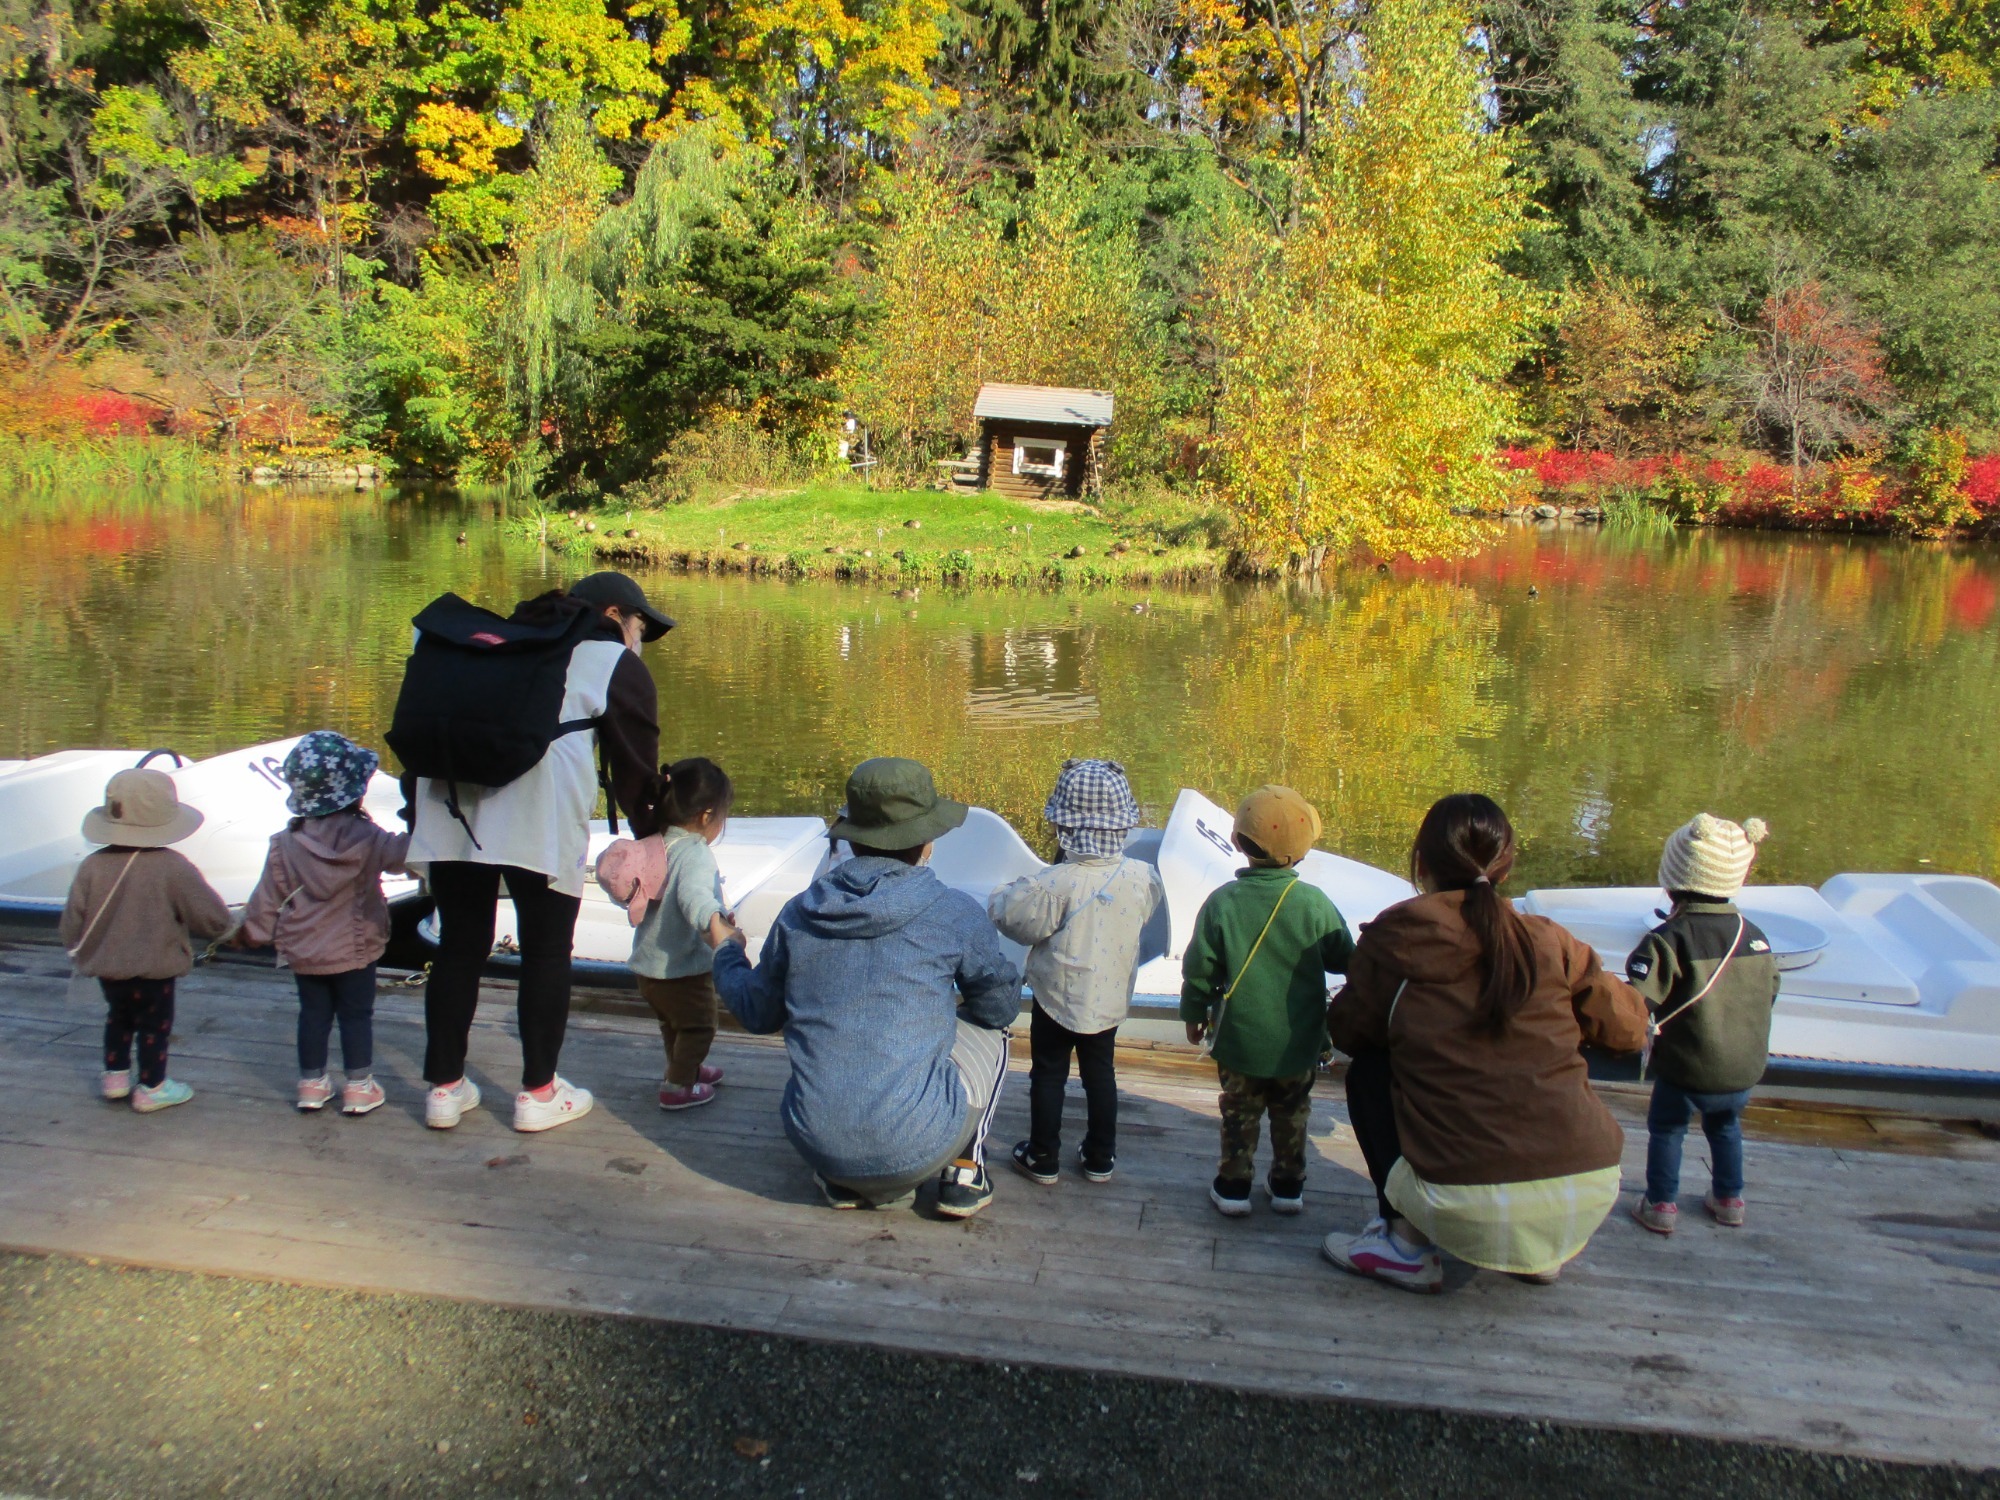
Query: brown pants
x=686 y=1008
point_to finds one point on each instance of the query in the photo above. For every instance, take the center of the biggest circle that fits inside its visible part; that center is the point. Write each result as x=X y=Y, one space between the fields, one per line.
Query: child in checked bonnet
x=320 y=901
x=672 y=891
x=1081 y=920
x=132 y=909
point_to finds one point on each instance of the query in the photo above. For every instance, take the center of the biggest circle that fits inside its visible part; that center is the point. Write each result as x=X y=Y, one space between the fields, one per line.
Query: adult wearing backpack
x=479 y=691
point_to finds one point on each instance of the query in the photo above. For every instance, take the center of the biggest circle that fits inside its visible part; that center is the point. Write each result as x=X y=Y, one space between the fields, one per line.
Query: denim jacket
x=867 y=973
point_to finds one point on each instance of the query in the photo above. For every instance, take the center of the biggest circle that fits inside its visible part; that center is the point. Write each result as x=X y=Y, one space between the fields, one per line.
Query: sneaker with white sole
x=1097 y=1171
x=1661 y=1218
x=1378 y=1253
x=963 y=1189
x=361 y=1095
x=166 y=1096
x=116 y=1086
x=706 y=1074
x=1039 y=1169
x=567 y=1102
x=315 y=1093
x=1231 y=1198
x=673 y=1096
x=1286 y=1197
x=836 y=1196
x=1728 y=1212
x=445 y=1103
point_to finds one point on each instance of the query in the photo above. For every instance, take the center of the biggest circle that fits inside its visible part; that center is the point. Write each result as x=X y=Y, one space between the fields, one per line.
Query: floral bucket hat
x=326 y=772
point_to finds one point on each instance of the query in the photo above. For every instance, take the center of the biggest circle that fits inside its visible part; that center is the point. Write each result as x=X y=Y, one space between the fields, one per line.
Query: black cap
x=616 y=591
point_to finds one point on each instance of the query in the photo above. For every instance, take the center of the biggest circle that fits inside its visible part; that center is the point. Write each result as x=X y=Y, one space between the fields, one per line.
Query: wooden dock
x=1858 y=1312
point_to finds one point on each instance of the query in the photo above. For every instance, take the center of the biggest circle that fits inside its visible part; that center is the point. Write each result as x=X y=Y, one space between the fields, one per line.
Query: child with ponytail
x=678 y=911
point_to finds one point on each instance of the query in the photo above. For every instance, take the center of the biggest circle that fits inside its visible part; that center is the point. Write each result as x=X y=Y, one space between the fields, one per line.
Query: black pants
x=1371 y=1110
x=466 y=896
x=1050 y=1045
x=349 y=998
x=141 y=1010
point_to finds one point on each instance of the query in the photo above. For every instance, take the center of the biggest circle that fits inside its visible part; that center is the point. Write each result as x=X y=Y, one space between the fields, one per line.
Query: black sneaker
x=963 y=1189
x=1231 y=1199
x=1097 y=1171
x=1288 y=1195
x=1034 y=1168
x=837 y=1196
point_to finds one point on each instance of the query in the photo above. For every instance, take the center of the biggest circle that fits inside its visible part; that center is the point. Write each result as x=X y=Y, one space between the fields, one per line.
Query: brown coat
x=1472 y=1107
x=143 y=932
x=320 y=896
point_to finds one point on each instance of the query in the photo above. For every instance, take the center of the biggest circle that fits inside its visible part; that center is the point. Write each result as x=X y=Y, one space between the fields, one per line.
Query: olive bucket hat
x=893 y=804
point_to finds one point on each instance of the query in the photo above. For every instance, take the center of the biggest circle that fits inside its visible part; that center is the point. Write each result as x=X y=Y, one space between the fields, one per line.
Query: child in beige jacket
x=132 y=910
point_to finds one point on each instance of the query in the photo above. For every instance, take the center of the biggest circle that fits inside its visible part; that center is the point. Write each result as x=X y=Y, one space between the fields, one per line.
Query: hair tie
x=1481 y=880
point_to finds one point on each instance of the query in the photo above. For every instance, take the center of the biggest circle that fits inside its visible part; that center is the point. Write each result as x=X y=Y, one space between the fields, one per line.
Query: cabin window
x=1040 y=456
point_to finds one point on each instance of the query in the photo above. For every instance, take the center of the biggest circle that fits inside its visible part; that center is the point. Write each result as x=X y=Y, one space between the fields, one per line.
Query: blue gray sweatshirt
x=858 y=972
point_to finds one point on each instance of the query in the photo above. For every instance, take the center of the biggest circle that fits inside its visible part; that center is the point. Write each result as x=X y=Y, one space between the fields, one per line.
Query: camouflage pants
x=1245 y=1101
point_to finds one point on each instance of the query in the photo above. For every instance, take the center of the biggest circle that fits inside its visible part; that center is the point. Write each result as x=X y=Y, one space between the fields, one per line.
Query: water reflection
x=1845 y=690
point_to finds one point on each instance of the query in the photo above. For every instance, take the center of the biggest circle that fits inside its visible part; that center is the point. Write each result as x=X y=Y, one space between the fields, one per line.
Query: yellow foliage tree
x=1363 y=351
x=1041 y=297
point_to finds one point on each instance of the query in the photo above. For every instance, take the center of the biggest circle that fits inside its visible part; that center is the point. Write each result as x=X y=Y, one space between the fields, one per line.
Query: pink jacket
x=320 y=897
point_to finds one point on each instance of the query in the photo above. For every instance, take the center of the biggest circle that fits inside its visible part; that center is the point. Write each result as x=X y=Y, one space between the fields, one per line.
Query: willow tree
x=1363 y=349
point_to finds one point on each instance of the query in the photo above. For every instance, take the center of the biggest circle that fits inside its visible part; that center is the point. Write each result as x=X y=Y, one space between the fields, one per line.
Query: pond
x=1603 y=686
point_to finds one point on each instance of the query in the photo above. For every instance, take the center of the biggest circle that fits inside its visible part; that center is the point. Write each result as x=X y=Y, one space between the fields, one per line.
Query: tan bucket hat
x=140 y=811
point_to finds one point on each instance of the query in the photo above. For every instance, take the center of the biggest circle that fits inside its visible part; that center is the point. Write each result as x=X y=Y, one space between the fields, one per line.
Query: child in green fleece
x=1253 y=981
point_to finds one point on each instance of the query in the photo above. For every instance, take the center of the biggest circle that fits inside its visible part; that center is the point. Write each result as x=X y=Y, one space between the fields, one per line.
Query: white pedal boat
x=1886 y=977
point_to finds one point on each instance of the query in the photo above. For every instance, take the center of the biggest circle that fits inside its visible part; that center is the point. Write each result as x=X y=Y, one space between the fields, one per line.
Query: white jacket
x=1081 y=921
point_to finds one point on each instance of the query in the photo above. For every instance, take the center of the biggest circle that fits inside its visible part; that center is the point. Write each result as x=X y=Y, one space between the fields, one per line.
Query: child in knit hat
x=1709 y=979
x=1081 y=921
x=1253 y=983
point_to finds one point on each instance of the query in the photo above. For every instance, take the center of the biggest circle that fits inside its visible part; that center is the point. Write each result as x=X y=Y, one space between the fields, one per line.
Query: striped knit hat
x=1710 y=856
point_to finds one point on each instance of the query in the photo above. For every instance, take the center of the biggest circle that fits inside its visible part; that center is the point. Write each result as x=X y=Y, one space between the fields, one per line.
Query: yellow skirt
x=1523 y=1227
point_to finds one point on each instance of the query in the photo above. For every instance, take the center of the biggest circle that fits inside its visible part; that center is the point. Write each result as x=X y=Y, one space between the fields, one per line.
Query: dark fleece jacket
x=1473 y=1107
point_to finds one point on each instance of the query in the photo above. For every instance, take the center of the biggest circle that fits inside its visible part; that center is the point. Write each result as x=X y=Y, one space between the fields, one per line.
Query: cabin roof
x=1062 y=405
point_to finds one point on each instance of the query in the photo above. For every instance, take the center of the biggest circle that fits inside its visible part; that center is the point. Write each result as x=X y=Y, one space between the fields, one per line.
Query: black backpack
x=481 y=700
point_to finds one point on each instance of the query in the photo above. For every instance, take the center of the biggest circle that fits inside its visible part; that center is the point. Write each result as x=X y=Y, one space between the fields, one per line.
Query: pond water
x=1845 y=690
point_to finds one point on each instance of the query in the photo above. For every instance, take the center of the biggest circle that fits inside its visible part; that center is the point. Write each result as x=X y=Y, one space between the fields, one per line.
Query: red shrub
x=1982 y=481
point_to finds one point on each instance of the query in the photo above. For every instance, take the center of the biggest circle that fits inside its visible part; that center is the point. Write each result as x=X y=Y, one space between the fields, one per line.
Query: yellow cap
x=1280 y=822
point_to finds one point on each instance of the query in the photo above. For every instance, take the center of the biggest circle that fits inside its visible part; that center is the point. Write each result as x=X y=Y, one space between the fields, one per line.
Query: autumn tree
x=1624 y=373
x=1813 y=379
x=1364 y=352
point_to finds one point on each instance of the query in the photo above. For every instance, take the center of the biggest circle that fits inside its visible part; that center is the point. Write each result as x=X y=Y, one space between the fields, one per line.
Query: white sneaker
x=1377 y=1253
x=444 y=1104
x=567 y=1103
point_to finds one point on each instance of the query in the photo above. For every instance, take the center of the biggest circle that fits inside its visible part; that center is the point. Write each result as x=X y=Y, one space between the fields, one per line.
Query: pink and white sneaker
x=315 y=1093
x=1661 y=1218
x=360 y=1095
x=700 y=1092
x=710 y=1076
x=566 y=1102
x=1728 y=1212
x=117 y=1085
x=1376 y=1252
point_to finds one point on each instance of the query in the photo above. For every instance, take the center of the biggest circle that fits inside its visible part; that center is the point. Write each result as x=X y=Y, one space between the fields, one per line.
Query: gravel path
x=117 y=1381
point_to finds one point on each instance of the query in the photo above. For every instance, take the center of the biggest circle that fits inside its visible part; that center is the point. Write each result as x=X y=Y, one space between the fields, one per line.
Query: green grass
x=39 y=463
x=1627 y=510
x=840 y=531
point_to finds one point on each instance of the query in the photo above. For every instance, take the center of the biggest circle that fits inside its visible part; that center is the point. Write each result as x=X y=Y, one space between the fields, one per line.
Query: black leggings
x=1371 y=1110
x=1050 y=1044
x=139 y=1010
x=466 y=895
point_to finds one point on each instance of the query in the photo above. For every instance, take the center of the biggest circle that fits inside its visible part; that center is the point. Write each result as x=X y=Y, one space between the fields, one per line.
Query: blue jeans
x=1667 y=1123
x=351 y=998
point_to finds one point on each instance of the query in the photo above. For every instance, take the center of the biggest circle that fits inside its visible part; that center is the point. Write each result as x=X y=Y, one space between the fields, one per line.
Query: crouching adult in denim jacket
x=894 y=995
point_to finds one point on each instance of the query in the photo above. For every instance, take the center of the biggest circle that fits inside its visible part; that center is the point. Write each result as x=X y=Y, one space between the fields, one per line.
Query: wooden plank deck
x=1857 y=1312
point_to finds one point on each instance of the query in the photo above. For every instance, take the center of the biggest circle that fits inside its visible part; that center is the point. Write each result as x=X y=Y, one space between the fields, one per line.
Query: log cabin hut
x=1040 y=442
